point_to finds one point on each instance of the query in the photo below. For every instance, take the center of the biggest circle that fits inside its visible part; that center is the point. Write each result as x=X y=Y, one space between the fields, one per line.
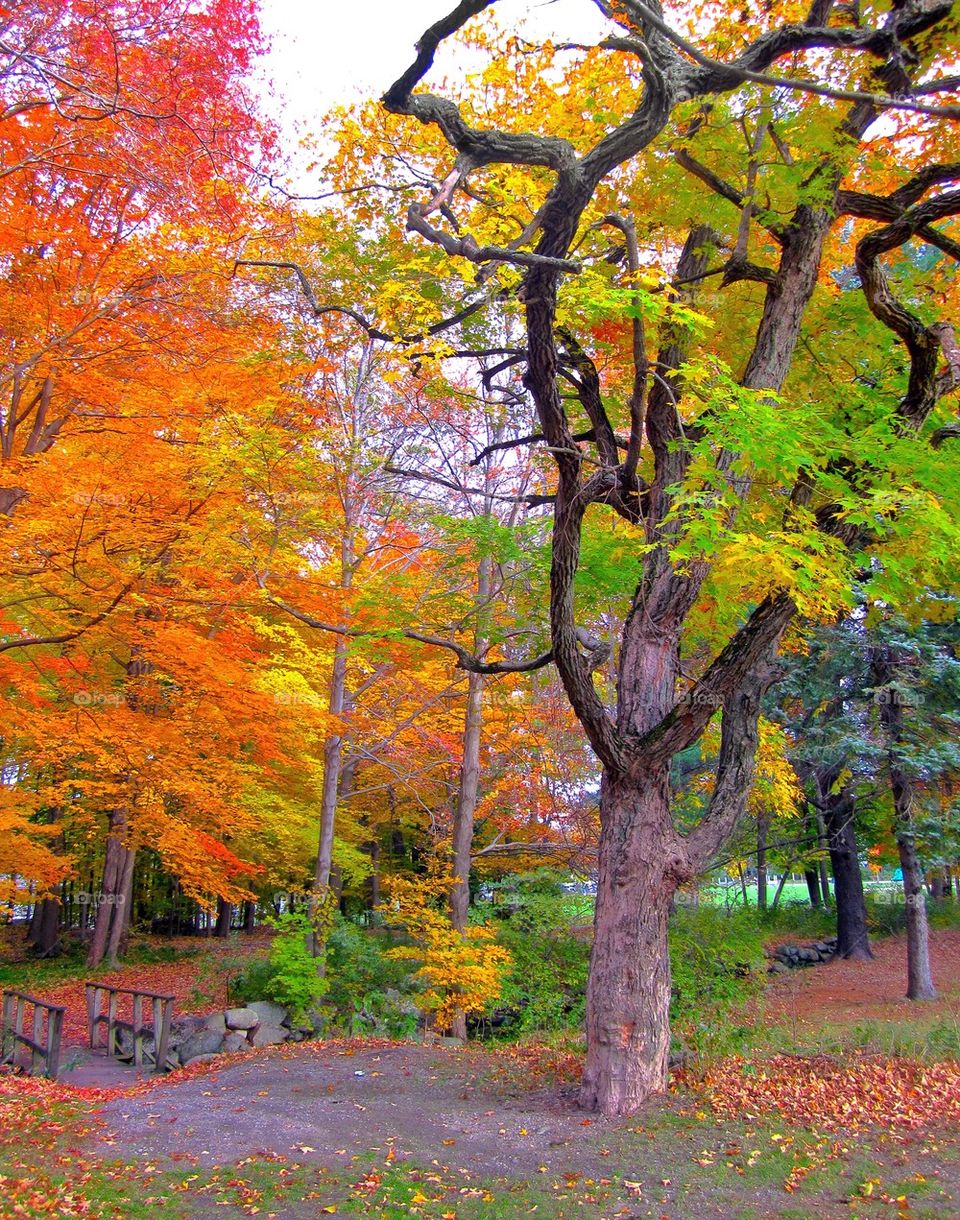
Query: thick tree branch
x=923 y=343
x=727 y=673
x=735 y=767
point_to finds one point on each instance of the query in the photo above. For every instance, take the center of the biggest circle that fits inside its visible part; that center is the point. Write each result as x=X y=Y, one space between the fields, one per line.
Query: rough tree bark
x=44 y=933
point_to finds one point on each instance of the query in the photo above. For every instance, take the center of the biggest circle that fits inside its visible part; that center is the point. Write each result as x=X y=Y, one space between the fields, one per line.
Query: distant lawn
x=732 y=895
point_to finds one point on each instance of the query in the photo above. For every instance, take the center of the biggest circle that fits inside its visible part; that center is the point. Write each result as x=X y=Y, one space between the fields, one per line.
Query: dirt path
x=327 y=1102
x=846 y=993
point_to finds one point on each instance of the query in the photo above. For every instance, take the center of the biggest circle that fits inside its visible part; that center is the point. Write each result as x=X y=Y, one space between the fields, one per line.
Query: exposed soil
x=842 y=993
x=327 y=1102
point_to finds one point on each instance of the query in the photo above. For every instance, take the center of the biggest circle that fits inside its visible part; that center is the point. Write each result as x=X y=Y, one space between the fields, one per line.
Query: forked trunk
x=628 y=994
x=112 y=890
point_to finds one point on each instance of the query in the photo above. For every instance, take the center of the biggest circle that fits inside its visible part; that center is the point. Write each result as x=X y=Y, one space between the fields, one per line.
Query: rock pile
x=792 y=957
x=200 y=1039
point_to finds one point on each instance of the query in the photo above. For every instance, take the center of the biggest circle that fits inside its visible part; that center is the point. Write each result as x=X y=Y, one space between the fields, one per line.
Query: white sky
x=325 y=53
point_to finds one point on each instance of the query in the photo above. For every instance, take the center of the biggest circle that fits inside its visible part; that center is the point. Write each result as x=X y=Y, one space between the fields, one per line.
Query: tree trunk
x=332 y=761
x=780 y=884
x=112 y=863
x=763 y=827
x=628 y=993
x=465 y=810
x=122 y=907
x=743 y=886
x=812 y=878
x=824 y=847
x=853 y=941
x=44 y=934
x=249 y=916
x=375 y=896
x=224 y=919
x=919 y=976
x=468 y=788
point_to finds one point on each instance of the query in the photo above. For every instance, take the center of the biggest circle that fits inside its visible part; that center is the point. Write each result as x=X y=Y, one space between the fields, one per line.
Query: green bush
x=545 y=987
x=289 y=976
x=718 y=966
x=797 y=921
x=368 y=992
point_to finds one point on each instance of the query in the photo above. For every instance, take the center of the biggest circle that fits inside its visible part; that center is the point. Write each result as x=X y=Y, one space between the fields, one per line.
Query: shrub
x=368 y=990
x=545 y=986
x=289 y=977
x=718 y=966
x=458 y=972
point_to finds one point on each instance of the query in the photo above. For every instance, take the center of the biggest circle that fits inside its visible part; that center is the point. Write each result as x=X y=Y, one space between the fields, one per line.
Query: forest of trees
x=571 y=480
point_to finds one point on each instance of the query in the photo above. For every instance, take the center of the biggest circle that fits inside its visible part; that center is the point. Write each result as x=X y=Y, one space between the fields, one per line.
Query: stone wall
x=201 y=1039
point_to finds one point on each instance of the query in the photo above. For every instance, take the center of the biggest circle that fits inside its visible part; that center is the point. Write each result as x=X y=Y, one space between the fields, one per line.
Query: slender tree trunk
x=812 y=878
x=822 y=866
x=919 y=975
x=853 y=942
x=465 y=810
x=374 y=874
x=468 y=788
x=743 y=887
x=763 y=828
x=332 y=762
x=780 y=884
x=249 y=916
x=628 y=993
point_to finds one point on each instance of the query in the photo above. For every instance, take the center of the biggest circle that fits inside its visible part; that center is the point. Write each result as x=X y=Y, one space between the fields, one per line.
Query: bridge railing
x=43 y=1040
x=161 y=1008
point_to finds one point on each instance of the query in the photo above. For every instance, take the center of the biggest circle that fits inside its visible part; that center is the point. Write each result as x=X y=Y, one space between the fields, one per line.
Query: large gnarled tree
x=635 y=457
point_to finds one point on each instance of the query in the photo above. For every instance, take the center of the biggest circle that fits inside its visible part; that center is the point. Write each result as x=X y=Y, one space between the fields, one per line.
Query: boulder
x=268 y=1013
x=778 y=968
x=216 y=1023
x=241 y=1018
x=235 y=1041
x=212 y=1057
x=267 y=1034
x=201 y=1042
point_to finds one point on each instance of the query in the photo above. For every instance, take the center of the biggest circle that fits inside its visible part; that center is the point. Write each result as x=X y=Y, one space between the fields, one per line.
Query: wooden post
x=112 y=1023
x=36 y=1054
x=54 y=1038
x=161 y=1031
x=138 y=1031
